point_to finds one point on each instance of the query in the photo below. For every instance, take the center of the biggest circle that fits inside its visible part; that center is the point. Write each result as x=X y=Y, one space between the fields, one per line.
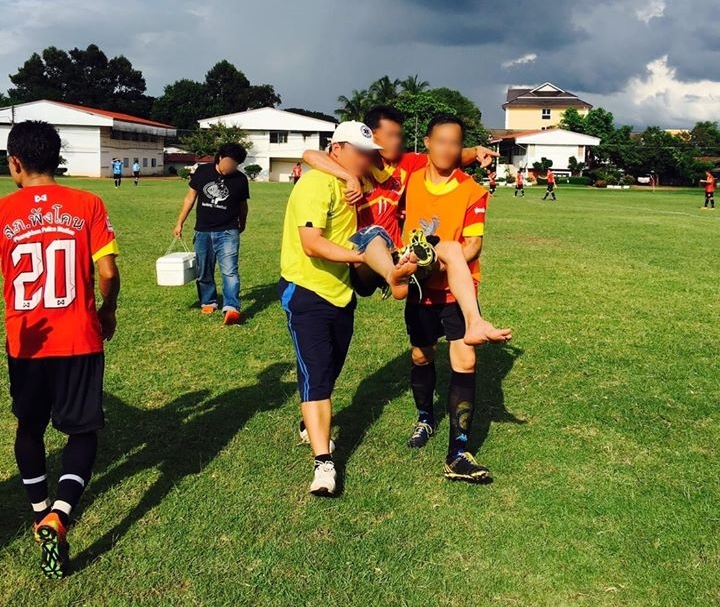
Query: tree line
x=673 y=158
x=419 y=102
x=88 y=77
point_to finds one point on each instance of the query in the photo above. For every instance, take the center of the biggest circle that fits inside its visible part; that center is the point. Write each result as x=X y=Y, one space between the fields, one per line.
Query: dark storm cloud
x=312 y=51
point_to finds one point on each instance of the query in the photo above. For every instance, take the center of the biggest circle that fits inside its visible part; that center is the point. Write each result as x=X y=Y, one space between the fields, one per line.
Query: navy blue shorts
x=321 y=335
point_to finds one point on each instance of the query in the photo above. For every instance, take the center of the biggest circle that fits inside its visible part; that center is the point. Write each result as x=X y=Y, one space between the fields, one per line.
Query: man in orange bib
x=446 y=204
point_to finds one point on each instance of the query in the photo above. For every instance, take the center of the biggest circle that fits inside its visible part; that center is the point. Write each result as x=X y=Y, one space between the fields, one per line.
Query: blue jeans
x=223 y=247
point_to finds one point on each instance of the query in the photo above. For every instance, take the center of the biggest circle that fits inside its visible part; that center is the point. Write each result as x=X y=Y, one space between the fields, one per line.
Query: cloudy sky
x=648 y=61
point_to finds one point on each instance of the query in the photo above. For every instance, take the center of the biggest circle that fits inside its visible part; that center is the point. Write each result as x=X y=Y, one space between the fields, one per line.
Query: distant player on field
x=550 y=185
x=709 y=182
x=493 y=182
x=519 y=184
x=136 y=171
x=54 y=241
x=117 y=169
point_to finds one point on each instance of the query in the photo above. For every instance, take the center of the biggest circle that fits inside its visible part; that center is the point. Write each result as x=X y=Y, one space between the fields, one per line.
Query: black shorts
x=66 y=390
x=709 y=195
x=426 y=324
x=136 y=173
x=551 y=187
x=321 y=335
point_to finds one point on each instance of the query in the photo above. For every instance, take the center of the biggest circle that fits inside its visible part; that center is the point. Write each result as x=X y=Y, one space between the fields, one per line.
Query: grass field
x=599 y=423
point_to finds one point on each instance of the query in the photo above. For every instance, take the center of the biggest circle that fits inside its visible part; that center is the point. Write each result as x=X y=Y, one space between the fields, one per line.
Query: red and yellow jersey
x=380 y=206
x=51 y=237
x=710 y=184
x=451 y=211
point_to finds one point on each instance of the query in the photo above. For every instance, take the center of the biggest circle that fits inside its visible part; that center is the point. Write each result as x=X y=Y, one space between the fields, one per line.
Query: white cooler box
x=176 y=269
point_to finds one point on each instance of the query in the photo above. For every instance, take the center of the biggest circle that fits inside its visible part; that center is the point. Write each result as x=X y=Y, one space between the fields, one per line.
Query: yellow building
x=542 y=107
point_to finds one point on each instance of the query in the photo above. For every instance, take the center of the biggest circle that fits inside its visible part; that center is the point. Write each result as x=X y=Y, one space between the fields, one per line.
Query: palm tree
x=355 y=106
x=384 y=90
x=413 y=85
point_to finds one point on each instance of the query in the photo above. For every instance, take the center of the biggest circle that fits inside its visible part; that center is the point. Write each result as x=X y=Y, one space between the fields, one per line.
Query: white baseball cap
x=356 y=134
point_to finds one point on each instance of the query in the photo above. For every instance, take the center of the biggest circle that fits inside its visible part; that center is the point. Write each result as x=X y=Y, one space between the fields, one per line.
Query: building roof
x=114 y=115
x=545 y=95
x=271 y=119
x=547 y=137
x=60 y=113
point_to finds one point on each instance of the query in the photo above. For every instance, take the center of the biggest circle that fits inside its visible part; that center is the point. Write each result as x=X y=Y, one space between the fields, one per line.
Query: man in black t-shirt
x=221 y=193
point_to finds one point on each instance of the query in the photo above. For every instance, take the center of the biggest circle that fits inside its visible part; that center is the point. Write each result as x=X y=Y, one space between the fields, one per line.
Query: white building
x=278 y=138
x=92 y=138
x=521 y=150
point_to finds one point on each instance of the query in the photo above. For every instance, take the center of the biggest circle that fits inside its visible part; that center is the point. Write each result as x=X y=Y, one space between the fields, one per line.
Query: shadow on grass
x=253 y=301
x=373 y=393
x=494 y=363
x=392 y=380
x=178 y=440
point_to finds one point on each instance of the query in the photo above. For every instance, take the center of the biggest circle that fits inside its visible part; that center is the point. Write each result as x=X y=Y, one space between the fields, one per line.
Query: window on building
x=144 y=162
x=325 y=140
x=278 y=136
x=153 y=162
x=126 y=162
x=546 y=114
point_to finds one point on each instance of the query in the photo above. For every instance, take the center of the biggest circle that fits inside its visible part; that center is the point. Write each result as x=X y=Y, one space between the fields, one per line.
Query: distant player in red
x=550 y=185
x=493 y=182
x=709 y=182
x=54 y=241
x=519 y=184
x=296 y=172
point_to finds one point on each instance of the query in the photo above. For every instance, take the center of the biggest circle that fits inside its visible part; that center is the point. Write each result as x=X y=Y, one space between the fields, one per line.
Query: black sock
x=422 y=381
x=78 y=458
x=30 y=458
x=321 y=459
x=461 y=406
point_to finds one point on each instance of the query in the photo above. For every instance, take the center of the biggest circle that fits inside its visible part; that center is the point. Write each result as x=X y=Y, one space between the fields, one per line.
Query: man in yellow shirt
x=315 y=288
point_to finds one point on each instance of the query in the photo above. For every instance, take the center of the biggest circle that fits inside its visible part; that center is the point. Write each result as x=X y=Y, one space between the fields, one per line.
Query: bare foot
x=483 y=332
x=399 y=277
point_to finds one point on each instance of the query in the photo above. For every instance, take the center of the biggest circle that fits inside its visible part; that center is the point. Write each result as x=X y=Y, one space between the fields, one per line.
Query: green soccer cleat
x=55 y=550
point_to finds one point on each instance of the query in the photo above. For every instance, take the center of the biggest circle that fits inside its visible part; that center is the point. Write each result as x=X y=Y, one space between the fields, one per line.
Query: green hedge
x=578 y=180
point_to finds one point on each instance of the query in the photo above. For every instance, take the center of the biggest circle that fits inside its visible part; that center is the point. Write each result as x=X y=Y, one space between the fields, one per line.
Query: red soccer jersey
x=551 y=178
x=380 y=206
x=51 y=237
x=710 y=184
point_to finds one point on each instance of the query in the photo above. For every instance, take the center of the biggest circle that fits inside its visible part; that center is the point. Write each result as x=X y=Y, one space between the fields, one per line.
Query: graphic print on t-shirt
x=216 y=192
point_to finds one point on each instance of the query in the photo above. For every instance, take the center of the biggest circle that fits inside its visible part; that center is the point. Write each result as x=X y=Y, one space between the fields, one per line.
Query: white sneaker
x=325 y=480
x=305 y=440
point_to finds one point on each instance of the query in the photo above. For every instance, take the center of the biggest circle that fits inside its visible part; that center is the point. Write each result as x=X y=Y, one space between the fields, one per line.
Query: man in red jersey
x=709 y=183
x=550 y=185
x=54 y=240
